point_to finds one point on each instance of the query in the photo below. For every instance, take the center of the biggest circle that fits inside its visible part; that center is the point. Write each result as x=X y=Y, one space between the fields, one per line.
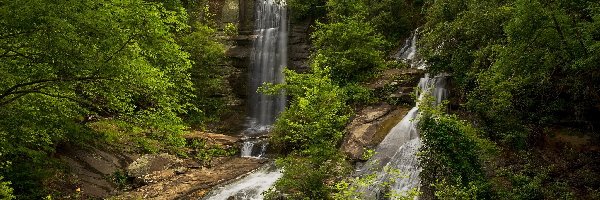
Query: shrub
x=6 y=192
x=452 y=155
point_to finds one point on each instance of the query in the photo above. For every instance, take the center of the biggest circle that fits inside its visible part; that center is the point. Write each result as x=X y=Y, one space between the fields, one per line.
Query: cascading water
x=250 y=187
x=269 y=57
x=398 y=149
x=408 y=52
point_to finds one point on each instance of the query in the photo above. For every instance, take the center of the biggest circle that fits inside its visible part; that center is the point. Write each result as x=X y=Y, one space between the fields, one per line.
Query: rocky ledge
x=369 y=127
x=188 y=182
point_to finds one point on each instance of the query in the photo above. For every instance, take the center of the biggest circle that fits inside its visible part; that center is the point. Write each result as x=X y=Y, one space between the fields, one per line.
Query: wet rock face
x=192 y=183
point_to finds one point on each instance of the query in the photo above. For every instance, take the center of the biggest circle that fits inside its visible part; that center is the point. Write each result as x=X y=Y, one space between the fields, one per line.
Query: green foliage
x=349 y=188
x=207 y=74
x=307 y=177
x=302 y=9
x=394 y=19
x=445 y=190
x=358 y=94
x=205 y=152
x=309 y=132
x=532 y=178
x=118 y=133
x=518 y=63
x=368 y=153
x=6 y=192
x=122 y=180
x=230 y=29
x=316 y=115
x=452 y=155
x=342 y=10
x=350 y=48
x=90 y=72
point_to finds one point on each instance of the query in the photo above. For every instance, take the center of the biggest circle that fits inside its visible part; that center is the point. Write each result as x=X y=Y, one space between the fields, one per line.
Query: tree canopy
x=67 y=64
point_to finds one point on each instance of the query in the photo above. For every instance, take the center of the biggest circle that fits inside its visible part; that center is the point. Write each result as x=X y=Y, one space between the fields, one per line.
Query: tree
x=350 y=48
x=63 y=62
x=207 y=74
x=518 y=63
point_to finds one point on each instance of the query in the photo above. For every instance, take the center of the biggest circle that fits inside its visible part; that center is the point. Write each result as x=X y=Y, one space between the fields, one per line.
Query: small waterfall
x=254 y=147
x=250 y=187
x=398 y=149
x=247 y=149
x=408 y=52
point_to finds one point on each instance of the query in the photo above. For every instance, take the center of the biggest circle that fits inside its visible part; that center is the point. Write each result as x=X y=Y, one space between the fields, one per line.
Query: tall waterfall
x=398 y=149
x=268 y=60
x=269 y=57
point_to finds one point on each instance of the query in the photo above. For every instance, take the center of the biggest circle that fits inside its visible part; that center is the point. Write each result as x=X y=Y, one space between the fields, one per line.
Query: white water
x=250 y=187
x=408 y=52
x=398 y=149
x=254 y=147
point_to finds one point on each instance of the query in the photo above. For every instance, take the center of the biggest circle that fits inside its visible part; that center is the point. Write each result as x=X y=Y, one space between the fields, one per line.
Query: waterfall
x=398 y=149
x=269 y=58
x=254 y=147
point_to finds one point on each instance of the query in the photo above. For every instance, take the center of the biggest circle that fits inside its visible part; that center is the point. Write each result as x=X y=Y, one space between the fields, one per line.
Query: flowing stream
x=249 y=187
x=395 y=163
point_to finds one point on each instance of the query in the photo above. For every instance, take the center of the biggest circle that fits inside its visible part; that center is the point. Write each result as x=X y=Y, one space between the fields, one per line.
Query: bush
x=6 y=192
x=350 y=48
x=302 y=9
x=309 y=178
x=308 y=132
x=316 y=115
x=452 y=155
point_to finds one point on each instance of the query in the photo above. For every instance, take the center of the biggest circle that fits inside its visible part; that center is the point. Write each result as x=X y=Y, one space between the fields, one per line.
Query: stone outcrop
x=368 y=128
x=299 y=46
x=396 y=86
x=214 y=138
x=92 y=167
x=145 y=168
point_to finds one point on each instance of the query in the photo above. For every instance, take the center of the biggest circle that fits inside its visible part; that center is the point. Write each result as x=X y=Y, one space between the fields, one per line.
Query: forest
x=505 y=97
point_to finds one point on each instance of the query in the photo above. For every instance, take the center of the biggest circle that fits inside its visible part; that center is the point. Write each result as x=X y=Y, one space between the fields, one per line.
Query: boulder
x=150 y=168
x=214 y=138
